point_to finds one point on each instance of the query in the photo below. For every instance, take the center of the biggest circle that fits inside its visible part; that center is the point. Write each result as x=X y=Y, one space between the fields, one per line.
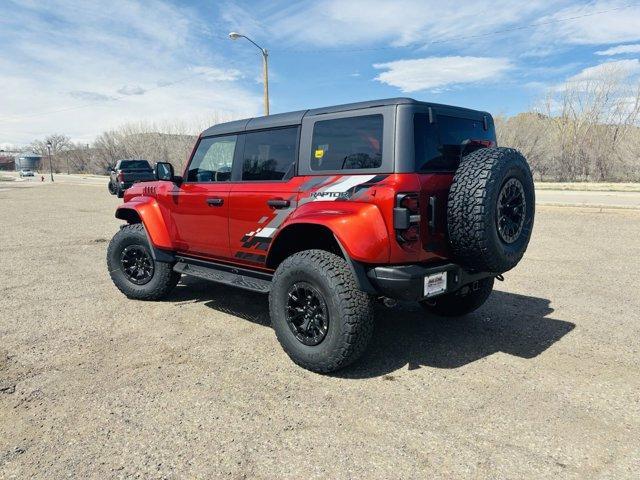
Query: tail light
x=484 y=143
x=406 y=218
x=121 y=177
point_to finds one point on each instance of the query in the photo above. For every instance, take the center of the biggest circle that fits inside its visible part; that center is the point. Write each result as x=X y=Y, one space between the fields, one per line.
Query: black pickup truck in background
x=127 y=172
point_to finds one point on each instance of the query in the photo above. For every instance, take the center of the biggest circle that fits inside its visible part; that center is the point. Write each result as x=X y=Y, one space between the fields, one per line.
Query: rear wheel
x=133 y=268
x=461 y=302
x=321 y=318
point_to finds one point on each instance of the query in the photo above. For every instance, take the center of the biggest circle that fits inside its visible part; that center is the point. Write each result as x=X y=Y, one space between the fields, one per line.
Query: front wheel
x=321 y=318
x=461 y=302
x=133 y=268
x=111 y=188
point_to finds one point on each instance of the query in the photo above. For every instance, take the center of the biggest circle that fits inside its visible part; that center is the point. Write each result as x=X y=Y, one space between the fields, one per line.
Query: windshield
x=134 y=165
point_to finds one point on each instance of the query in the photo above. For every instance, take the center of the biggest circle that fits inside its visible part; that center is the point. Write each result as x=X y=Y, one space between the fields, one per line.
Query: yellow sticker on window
x=319 y=153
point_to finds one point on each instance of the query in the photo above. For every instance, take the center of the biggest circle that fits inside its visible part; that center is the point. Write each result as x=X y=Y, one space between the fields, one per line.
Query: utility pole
x=50 y=165
x=265 y=67
x=265 y=74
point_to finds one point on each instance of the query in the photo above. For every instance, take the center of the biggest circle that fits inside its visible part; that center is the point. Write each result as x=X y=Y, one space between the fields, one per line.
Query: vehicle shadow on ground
x=509 y=323
x=405 y=336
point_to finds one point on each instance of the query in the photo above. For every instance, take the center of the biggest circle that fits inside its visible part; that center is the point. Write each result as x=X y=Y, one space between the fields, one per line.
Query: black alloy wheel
x=307 y=314
x=137 y=264
x=511 y=211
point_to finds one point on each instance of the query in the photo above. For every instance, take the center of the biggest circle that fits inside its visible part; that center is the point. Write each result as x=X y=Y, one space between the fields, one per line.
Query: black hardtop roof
x=295 y=118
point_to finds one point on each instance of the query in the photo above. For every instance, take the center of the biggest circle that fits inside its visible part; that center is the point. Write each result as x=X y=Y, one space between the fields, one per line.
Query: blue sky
x=79 y=68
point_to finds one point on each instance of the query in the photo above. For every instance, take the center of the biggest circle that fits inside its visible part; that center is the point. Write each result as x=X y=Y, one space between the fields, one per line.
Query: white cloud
x=620 y=69
x=436 y=72
x=213 y=74
x=613 y=77
x=620 y=50
x=616 y=22
x=108 y=63
x=90 y=96
x=131 y=90
x=331 y=23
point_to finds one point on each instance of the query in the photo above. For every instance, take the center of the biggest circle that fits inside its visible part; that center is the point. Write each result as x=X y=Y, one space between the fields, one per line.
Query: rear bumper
x=406 y=282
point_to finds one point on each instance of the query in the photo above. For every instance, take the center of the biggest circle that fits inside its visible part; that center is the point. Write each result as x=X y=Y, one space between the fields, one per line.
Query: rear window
x=347 y=143
x=441 y=145
x=270 y=154
x=134 y=164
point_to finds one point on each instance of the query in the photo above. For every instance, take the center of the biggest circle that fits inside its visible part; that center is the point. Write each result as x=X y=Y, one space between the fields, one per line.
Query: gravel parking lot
x=541 y=382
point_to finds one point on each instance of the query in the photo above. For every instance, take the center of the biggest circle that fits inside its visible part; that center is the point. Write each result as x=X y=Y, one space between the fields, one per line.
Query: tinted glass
x=213 y=160
x=347 y=143
x=134 y=164
x=440 y=146
x=270 y=154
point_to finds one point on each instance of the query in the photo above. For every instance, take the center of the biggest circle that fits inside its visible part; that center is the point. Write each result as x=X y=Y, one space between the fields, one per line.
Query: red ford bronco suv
x=327 y=210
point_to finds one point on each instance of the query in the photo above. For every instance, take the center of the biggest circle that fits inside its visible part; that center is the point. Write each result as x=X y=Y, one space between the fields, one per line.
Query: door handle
x=278 y=203
x=215 y=201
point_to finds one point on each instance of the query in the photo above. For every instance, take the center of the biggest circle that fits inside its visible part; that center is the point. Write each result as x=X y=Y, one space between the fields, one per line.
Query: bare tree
x=586 y=129
x=58 y=141
x=167 y=142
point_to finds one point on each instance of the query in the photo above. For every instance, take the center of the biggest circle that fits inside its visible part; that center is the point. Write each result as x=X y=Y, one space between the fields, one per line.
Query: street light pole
x=265 y=67
x=50 y=166
x=265 y=74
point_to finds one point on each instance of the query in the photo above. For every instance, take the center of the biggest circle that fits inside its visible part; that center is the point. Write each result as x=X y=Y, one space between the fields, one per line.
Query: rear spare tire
x=491 y=209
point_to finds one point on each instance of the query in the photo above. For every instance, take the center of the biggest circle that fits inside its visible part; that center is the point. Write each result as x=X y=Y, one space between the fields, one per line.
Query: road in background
x=591 y=199
x=544 y=196
x=74 y=179
x=541 y=382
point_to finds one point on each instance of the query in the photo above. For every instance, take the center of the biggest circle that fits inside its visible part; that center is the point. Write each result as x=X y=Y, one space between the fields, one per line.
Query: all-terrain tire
x=163 y=279
x=461 y=302
x=111 y=188
x=350 y=310
x=473 y=210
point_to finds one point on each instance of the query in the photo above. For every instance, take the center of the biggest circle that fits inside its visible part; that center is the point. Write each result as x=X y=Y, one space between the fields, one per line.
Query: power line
x=339 y=50
x=463 y=37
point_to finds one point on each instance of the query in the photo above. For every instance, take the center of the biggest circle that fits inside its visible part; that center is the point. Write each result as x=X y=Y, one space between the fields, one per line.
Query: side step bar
x=226 y=274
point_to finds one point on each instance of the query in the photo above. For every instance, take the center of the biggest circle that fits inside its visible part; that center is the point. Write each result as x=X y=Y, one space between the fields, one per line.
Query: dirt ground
x=541 y=382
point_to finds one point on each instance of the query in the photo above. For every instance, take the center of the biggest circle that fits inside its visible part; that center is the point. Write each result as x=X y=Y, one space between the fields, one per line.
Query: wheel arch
x=296 y=237
x=149 y=214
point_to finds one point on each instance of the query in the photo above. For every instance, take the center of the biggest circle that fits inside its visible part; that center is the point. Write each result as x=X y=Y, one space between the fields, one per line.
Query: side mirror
x=164 y=171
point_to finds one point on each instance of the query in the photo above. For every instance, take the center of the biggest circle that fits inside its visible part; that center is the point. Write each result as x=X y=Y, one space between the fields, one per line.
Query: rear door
x=441 y=138
x=199 y=207
x=264 y=191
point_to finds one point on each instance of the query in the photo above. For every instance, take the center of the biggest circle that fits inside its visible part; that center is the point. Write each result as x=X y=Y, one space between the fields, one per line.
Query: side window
x=269 y=154
x=347 y=143
x=213 y=160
